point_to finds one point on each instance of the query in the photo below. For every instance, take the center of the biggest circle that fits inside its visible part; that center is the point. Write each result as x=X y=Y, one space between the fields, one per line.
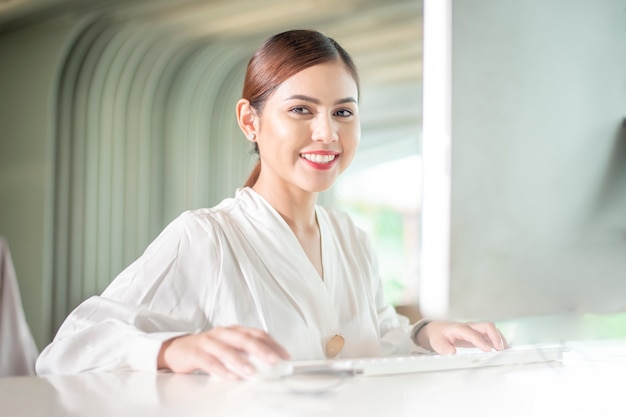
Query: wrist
x=161 y=362
x=415 y=334
x=164 y=356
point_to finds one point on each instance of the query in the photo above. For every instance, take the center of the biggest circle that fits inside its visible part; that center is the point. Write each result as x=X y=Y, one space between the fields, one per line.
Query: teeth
x=319 y=159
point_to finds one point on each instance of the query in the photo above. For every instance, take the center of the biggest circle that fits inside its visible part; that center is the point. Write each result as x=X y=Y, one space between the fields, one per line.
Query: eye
x=300 y=110
x=344 y=113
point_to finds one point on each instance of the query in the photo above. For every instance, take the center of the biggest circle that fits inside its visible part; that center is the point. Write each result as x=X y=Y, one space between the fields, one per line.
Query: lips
x=319 y=158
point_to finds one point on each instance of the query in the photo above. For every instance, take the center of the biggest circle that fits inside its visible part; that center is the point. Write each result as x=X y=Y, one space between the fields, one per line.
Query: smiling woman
x=269 y=273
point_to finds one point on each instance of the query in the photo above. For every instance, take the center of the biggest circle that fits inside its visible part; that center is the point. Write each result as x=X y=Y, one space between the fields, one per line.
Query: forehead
x=331 y=80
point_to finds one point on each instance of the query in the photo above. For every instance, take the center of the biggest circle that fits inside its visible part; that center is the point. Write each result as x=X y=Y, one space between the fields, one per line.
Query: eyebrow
x=316 y=101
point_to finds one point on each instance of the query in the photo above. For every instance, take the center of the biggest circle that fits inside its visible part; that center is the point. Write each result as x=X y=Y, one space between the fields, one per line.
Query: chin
x=316 y=184
x=318 y=188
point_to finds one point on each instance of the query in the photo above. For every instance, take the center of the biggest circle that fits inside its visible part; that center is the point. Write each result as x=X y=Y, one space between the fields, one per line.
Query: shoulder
x=225 y=209
x=197 y=225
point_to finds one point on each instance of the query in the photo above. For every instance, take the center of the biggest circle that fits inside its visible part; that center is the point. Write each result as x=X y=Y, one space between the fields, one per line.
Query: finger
x=192 y=353
x=467 y=334
x=491 y=333
x=215 y=367
x=224 y=345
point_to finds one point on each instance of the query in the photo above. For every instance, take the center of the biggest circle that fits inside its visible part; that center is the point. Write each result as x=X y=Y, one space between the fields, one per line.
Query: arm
x=154 y=315
x=151 y=301
x=103 y=335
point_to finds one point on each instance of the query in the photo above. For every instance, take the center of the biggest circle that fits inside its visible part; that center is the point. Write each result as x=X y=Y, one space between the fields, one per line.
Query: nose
x=325 y=129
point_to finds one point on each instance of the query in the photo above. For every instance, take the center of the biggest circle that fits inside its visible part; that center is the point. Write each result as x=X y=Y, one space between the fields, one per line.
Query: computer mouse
x=267 y=371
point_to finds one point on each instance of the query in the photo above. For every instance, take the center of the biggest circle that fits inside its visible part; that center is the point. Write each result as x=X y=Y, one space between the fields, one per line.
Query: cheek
x=284 y=130
x=351 y=138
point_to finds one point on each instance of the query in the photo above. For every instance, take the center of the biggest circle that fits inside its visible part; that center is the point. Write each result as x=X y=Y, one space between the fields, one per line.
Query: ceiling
x=384 y=36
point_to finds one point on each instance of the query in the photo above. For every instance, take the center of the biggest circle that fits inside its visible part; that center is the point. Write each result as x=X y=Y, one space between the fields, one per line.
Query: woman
x=266 y=274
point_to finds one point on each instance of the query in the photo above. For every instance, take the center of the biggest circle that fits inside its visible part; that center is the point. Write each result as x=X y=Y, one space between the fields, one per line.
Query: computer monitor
x=524 y=159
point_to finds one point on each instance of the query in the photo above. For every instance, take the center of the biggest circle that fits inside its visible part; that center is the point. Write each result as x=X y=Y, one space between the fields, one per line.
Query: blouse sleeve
x=163 y=294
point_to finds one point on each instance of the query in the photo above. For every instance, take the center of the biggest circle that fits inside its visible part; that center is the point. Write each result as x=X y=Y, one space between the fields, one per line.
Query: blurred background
x=115 y=116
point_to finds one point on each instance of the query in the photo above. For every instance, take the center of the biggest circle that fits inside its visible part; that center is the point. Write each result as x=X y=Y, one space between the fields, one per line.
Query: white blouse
x=236 y=263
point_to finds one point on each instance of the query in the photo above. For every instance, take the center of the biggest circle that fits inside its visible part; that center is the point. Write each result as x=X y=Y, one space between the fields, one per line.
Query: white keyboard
x=463 y=359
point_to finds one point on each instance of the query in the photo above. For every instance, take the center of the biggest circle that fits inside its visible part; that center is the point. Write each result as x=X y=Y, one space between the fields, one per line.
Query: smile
x=317 y=158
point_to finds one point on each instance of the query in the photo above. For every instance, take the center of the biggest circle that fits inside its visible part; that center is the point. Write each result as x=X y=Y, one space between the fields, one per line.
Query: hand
x=443 y=337
x=221 y=351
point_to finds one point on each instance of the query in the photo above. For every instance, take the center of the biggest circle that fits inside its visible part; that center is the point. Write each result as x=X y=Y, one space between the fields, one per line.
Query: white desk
x=590 y=381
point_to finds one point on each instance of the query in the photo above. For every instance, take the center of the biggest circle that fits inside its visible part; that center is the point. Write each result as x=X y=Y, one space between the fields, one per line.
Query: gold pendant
x=334 y=346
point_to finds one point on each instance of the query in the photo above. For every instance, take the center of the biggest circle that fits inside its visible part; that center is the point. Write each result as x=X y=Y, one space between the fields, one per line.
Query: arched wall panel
x=146 y=130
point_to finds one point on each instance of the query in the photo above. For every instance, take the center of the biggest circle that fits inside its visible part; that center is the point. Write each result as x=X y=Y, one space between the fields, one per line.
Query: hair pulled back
x=282 y=56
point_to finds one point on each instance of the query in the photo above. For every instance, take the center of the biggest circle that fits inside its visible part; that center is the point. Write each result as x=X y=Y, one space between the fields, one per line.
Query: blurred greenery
x=385 y=226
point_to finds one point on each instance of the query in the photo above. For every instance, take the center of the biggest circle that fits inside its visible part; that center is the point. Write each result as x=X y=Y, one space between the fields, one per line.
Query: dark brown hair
x=282 y=56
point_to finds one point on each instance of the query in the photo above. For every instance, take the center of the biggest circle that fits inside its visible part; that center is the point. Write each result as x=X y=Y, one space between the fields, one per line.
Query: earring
x=251 y=137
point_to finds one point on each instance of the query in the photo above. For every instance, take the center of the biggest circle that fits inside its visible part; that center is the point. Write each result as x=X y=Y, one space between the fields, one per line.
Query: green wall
x=29 y=63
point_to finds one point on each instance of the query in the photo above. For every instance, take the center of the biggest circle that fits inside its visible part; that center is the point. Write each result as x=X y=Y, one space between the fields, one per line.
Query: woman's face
x=309 y=129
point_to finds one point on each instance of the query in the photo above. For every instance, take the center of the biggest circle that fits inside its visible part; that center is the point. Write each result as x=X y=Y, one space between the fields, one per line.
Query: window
x=384 y=200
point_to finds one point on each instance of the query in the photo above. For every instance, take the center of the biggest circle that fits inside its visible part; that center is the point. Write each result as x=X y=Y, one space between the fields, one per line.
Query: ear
x=246 y=117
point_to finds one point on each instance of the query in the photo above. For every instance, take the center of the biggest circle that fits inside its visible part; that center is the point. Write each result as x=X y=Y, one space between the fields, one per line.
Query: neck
x=296 y=206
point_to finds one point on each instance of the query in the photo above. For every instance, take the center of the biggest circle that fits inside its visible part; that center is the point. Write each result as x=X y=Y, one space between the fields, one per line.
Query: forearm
x=103 y=347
